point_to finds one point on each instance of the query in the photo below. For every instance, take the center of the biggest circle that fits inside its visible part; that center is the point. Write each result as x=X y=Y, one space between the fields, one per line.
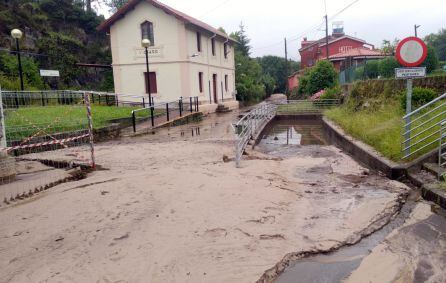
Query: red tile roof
x=104 y=26
x=358 y=52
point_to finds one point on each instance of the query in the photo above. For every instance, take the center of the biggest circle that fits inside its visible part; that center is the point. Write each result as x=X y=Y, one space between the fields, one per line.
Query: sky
x=267 y=23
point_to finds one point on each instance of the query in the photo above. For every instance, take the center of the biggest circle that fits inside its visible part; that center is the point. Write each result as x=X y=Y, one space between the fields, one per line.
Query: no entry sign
x=411 y=52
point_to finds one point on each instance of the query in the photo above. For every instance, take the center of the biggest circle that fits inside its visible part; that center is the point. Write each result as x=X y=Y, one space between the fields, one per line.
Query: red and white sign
x=411 y=52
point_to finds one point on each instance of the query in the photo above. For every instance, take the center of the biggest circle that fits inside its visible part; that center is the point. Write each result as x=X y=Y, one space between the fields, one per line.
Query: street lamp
x=146 y=43
x=17 y=34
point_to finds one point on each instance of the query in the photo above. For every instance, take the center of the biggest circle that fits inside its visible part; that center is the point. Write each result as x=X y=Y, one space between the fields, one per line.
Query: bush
x=320 y=77
x=387 y=67
x=420 y=96
x=431 y=61
x=332 y=93
x=372 y=69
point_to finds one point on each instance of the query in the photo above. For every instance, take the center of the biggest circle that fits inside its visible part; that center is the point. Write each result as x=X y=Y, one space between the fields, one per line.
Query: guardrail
x=249 y=125
x=164 y=112
x=306 y=106
x=422 y=129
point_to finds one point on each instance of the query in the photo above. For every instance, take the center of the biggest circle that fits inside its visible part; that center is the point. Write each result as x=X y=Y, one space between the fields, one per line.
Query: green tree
x=389 y=47
x=387 y=67
x=9 y=69
x=320 y=77
x=115 y=5
x=431 y=61
x=438 y=42
x=240 y=36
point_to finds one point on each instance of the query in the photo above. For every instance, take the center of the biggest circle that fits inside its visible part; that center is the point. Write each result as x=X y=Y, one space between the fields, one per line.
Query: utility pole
x=326 y=36
x=416 y=29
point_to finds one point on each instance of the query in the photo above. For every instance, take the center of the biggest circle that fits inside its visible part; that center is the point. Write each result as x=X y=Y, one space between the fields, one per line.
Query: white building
x=187 y=57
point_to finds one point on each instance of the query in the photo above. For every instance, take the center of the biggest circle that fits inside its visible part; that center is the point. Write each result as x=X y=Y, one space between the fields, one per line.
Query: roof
x=331 y=39
x=357 y=52
x=104 y=26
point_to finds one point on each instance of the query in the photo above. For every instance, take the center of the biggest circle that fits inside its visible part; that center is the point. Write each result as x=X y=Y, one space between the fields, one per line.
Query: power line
x=215 y=8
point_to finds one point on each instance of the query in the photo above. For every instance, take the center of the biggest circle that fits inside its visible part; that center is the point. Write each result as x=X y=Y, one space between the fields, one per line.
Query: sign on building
x=49 y=73
x=410 y=73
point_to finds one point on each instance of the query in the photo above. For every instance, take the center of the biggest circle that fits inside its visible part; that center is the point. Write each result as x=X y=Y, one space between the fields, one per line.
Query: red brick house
x=313 y=51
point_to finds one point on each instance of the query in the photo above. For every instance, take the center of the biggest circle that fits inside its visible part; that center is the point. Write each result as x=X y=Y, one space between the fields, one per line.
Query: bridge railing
x=250 y=125
x=306 y=106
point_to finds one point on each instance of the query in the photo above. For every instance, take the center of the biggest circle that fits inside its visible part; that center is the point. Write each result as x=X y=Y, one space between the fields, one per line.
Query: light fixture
x=145 y=43
x=16 y=33
x=195 y=55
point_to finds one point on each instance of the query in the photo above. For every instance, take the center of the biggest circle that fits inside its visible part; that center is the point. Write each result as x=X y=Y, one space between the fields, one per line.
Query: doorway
x=214 y=87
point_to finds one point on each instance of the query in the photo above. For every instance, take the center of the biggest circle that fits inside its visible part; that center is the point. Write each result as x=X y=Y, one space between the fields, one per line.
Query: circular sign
x=411 y=52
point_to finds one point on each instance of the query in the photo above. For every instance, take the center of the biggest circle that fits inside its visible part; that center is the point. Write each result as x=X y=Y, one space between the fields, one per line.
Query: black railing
x=157 y=114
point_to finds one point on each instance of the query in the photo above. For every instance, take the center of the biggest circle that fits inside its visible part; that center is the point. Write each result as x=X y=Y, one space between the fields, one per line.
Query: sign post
x=2 y=124
x=410 y=53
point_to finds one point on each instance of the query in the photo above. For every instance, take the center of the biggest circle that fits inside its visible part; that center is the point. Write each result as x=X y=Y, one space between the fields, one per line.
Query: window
x=226 y=83
x=225 y=49
x=213 y=46
x=153 y=86
x=199 y=42
x=147 y=32
x=200 y=81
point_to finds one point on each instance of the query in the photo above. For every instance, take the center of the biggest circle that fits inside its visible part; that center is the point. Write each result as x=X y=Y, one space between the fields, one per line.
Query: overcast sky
x=267 y=23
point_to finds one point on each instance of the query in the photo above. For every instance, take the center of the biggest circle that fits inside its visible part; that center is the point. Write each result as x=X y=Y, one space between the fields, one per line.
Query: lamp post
x=146 y=43
x=17 y=34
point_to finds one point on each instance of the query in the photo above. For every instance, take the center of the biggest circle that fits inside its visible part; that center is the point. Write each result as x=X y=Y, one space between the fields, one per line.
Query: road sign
x=49 y=73
x=411 y=52
x=410 y=73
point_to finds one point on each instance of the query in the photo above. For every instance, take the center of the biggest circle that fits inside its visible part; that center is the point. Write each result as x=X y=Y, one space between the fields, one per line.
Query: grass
x=23 y=122
x=380 y=129
x=303 y=107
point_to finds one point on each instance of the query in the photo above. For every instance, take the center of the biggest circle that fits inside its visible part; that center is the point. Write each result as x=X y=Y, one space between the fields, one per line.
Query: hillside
x=57 y=35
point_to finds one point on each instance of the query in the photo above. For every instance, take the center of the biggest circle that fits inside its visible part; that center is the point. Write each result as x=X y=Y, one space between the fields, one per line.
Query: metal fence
x=157 y=114
x=306 y=106
x=422 y=129
x=250 y=125
x=43 y=146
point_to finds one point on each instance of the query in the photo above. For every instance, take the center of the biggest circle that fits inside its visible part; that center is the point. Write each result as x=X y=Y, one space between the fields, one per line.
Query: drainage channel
x=284 y=138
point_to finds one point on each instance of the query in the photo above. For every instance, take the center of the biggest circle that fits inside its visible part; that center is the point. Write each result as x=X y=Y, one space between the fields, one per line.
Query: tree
x=243 y=47
x=387 y=67
x=115 y=5
x=388 y=47
x=438 y=42
x=320 y=77
x=431 y=61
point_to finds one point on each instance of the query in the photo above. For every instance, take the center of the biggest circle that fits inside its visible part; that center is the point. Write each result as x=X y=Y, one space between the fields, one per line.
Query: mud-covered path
x=168 y=209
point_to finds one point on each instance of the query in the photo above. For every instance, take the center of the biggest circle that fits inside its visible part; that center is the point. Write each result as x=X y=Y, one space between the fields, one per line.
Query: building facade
x=187 y=57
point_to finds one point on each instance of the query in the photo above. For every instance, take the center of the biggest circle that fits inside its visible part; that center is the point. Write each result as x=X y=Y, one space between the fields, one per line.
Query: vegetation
x=320 y=77
x=438 y=43
x=276 y=68
x=56 y=116
x=57 y=35
x=420 y=96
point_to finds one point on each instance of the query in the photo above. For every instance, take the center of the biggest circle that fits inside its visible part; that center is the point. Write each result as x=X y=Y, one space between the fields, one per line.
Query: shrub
x=387 y=67
x=431 y=61
x=372 y=69
x=420 y=96
x=332 y=93
x=323 y=75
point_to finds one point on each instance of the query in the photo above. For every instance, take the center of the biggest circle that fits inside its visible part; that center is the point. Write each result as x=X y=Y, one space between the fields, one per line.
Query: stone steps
x=434 y=168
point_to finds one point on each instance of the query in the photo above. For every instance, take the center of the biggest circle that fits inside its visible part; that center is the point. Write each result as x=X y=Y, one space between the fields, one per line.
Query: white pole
x=2 y=123
x=408 y=111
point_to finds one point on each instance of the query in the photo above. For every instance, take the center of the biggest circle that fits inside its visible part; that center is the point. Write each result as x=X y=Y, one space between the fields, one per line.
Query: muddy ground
x=166 y=208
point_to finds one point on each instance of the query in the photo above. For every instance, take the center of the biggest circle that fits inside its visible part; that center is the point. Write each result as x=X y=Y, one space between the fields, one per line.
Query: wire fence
x=43 y=146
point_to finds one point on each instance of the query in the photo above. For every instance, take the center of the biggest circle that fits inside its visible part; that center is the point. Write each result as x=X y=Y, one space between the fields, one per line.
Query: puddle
x=293 y=132
x=338 y=265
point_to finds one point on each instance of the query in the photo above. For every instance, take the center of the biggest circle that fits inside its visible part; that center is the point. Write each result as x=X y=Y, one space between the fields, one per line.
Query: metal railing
x=250 y=125
x=422 y=129
x=306 y=106
x=164 y=112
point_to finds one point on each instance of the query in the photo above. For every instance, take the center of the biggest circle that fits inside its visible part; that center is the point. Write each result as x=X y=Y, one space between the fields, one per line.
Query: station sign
x=410 y=73
x=49 y=73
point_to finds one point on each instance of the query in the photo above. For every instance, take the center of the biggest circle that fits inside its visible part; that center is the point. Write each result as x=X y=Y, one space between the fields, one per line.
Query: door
x=214 y=87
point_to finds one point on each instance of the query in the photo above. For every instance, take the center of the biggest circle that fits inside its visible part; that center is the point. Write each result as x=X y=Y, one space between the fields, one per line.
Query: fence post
x=134 y=121
x=43 y=100
x=179 y=106
x=106 y=99
x=143 y=103
x=116 y=100
x=197 y=104
x=17 y=99
x=167 y=110
x=190 y=104
x=2 y=123
x=151 y=116
x=90 y=128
